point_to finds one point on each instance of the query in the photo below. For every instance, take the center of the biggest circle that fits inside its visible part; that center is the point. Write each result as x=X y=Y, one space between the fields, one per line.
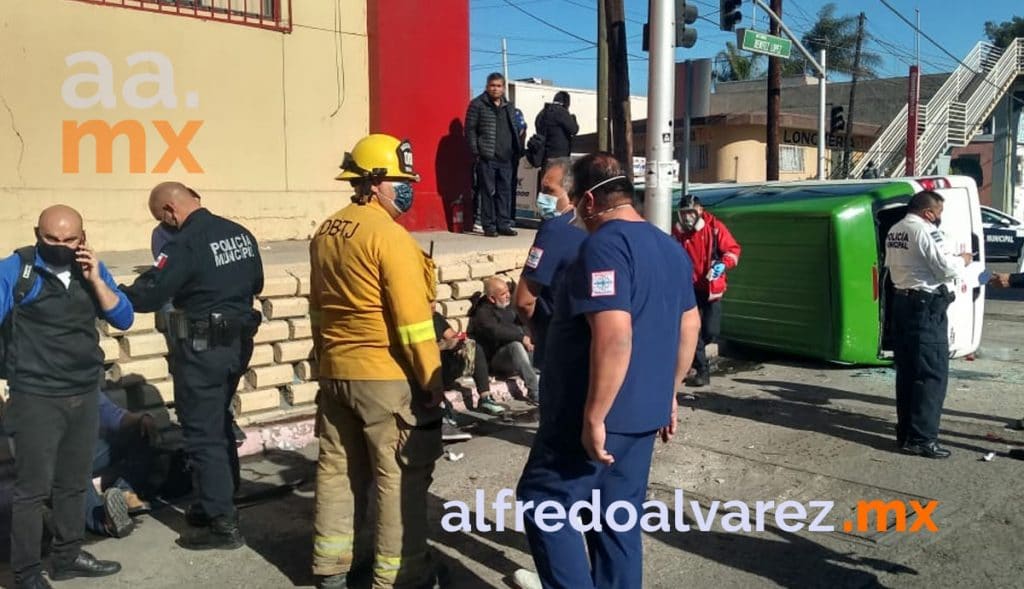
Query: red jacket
x=710 y=244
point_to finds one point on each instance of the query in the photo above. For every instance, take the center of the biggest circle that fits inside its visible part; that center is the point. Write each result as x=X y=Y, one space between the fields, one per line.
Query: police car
x=1004 y=235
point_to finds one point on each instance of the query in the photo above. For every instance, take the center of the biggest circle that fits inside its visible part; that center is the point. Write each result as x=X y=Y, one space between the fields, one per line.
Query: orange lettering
x=104 y=135
x=177 y=147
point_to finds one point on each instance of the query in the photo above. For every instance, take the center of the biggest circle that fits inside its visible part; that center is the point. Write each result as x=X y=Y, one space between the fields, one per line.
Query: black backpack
x=26 y=279
x=535 y=150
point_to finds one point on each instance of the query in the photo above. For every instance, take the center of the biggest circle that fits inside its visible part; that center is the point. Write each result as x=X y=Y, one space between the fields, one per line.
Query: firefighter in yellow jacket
x=378 y=418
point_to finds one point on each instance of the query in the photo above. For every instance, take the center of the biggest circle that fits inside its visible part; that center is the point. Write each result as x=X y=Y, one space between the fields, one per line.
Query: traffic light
x=686 y=14
x=836 y=121
x=729 y=14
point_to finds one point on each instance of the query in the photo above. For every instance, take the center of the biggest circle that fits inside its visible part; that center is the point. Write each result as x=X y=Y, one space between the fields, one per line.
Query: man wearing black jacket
x=558 y=127
x=493 y=139
x=492 y=323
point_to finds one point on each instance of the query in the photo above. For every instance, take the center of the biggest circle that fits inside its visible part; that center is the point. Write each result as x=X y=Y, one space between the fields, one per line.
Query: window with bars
x=791 y=158
x=265 y=14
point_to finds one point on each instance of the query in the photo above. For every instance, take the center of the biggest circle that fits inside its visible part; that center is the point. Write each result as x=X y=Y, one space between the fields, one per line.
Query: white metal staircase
x=953 y=116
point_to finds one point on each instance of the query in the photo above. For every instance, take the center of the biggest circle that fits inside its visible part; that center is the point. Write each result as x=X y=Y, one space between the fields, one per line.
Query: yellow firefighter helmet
x=379 y=156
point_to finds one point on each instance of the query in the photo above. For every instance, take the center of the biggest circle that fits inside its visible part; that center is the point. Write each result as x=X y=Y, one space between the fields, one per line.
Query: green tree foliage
x=1001 y=34
x=733 y=65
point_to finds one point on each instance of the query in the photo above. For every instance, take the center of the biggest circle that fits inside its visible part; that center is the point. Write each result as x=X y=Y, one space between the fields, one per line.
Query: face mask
x=937 y=222
x=577 y=221
x=690 y=221
x=168 y=227
x=403 y=196
x=547 y=205
x=55 y=255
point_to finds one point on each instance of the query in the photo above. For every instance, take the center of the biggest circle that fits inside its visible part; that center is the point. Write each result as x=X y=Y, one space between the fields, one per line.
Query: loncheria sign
x=141 y=91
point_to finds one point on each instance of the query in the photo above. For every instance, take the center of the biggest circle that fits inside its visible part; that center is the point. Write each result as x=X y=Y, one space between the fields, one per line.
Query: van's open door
x=961 y=224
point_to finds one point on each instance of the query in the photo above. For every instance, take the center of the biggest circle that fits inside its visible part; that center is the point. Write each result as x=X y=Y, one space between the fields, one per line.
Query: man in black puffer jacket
x=493 y=140
x=509 y=350
x=558 y=127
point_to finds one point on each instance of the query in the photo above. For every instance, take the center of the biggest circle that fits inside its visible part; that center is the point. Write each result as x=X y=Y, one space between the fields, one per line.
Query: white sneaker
x=525 y=579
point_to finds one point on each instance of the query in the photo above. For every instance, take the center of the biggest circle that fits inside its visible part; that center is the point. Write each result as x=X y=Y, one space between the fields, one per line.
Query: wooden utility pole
x=847 y=144
x=774 y=100
x=618 y=85
x=602 y=77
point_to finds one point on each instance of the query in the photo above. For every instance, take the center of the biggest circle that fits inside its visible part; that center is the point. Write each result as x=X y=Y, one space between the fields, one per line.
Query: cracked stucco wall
x=266 y=123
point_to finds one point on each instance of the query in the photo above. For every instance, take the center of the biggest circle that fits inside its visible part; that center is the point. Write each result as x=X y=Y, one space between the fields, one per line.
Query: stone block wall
x=281 y=381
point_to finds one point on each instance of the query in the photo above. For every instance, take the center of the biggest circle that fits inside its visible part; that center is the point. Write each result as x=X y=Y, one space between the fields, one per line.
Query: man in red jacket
x=713 y=251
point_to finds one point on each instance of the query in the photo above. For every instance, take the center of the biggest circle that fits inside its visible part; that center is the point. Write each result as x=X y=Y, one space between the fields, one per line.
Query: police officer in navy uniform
x=622 y=338
x=211 y=270
x=920 y=266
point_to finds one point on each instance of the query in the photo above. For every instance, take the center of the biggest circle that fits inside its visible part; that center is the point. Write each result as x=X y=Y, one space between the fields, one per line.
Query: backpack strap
x=27 y=273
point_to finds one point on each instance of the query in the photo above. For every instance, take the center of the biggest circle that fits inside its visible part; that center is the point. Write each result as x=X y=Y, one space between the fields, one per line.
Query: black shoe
x=701 y=379
x=930 y=449
x=222 y=534
x=490 y=233
x=118 y=523
x=84 y=565
x=196 y=517
x=36 y=581
x=508 y=232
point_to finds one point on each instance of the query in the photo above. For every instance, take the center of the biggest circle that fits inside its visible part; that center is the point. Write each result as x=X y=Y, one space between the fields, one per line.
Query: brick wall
x=281 y=382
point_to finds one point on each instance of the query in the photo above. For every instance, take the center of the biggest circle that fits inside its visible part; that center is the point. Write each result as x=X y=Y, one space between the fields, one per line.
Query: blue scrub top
x=555 y=248
x=632 y=267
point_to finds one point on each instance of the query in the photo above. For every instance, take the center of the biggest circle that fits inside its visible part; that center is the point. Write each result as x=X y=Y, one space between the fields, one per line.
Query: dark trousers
x=53 y=449
x=204 y=385
x=710 y=327
x=452 y=364
x=559 y=471
x=494 y=188
x=513 y=359
x=922 y=365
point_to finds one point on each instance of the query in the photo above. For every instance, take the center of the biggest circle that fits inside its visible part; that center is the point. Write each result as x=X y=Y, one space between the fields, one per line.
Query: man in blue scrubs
x=554 y=248
x=620 y=343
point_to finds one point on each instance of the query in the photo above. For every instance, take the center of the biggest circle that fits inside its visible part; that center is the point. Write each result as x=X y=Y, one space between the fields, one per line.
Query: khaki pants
x=368 y=432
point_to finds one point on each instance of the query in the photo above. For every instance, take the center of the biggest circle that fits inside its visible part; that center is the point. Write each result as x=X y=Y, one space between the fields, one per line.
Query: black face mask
x=55 y=255
x=169 y=228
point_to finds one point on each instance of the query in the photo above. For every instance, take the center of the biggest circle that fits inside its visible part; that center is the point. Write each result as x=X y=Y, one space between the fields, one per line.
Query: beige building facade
x=100 y=102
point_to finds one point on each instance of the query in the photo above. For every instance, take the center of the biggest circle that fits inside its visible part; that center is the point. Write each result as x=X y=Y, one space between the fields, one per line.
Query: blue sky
x=536 y=50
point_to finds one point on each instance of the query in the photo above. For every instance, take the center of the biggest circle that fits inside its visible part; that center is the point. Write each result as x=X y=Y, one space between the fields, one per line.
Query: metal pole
x=687 y=117
x=917 y=38
x=661 y=73
x=796 y=41
x=504 y=60
x=821 y=121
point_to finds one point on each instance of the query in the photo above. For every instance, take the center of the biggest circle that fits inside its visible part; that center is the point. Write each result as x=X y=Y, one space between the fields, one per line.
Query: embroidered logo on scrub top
x=533 y=259
x=602 y=283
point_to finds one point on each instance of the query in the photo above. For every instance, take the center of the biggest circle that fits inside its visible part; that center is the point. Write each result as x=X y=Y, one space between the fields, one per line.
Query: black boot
x=222 y=534
x=196 y=517
x=84 y=565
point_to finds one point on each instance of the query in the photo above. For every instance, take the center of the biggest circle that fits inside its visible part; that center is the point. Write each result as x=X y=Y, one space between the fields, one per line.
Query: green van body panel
x=805 y=284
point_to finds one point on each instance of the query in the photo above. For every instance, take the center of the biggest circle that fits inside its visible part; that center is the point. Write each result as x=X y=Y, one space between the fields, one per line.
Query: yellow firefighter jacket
x=370 y=291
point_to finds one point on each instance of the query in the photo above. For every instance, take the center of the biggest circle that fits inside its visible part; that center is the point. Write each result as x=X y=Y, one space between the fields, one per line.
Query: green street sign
x=766 y=44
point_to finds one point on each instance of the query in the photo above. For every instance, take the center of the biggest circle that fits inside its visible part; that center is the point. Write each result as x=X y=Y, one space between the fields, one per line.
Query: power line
x=548 y=24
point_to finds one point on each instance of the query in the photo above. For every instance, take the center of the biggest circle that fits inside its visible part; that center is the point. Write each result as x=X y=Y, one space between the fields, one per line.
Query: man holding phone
x=50 y=297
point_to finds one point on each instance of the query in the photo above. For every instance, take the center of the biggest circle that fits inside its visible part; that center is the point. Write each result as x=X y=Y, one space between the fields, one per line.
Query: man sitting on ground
x=459 y=353
x=124 y=445
x=494 y=325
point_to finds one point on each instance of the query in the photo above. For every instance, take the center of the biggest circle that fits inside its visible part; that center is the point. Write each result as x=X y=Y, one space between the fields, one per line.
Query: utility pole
x=848 y=146
x=660 y=104
x=774 y=100
x=602 y=77
x=618 y=85
x=821 y=116
x=917 y=39
x=504 y=60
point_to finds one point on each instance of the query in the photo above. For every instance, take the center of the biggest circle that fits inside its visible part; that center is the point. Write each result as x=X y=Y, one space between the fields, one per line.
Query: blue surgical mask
x=403 y=196
x=547 y=205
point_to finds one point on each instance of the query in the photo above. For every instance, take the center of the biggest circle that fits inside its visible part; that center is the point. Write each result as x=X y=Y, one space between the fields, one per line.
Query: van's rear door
x=961 y=224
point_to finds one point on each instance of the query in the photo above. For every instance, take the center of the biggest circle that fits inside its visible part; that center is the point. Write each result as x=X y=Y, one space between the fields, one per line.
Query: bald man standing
x=50 y=297
x=210 y=270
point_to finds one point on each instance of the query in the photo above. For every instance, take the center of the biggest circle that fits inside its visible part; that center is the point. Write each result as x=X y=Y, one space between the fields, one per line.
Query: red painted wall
x=419 y=90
